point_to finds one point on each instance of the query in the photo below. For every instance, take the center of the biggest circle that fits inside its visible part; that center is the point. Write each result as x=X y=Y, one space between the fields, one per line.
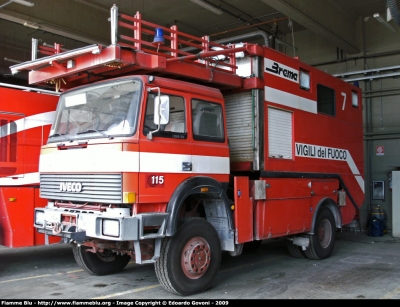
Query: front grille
x=98 y=188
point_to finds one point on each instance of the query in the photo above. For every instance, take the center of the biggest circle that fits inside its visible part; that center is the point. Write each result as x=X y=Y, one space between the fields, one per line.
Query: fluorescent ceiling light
x=23 y=2
x=31 y=25
x=208 y=6
x=384 y=22
x=12 y=60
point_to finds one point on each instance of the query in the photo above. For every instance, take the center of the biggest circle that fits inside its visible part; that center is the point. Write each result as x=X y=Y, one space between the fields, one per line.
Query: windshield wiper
x=56 y=134
x=94 y=130
x=89 y=131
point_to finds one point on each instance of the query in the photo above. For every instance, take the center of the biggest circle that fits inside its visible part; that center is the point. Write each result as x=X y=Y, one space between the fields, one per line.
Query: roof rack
x=186 y=56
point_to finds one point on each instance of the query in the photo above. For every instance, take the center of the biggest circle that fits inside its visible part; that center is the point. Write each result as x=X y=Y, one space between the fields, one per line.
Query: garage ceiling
x=77 y=23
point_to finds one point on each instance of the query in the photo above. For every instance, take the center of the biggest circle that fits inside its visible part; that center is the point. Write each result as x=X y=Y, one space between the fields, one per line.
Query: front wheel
x=190 y=259
x=323 y=239
x=103 y=263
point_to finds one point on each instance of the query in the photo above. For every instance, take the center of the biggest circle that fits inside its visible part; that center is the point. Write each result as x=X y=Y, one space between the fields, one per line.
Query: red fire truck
x=173 y=150
x=26 y=115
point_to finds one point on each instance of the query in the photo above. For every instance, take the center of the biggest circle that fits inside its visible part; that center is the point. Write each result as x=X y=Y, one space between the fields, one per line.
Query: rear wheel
x=323 y=239
x=190 y=259
x=103 y=263
x=295 y=250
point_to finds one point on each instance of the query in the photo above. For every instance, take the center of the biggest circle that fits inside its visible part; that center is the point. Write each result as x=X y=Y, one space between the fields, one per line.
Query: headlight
x=39 y=217
x=110 y=228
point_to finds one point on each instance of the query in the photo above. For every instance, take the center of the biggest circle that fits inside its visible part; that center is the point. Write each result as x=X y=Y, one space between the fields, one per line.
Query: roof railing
x=178 y=41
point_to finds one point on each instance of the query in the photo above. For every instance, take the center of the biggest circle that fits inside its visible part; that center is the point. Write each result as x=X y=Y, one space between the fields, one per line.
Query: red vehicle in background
x=26 y=115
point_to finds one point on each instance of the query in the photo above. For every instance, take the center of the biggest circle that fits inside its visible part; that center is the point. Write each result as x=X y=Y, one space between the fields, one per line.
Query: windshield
x=105 y=110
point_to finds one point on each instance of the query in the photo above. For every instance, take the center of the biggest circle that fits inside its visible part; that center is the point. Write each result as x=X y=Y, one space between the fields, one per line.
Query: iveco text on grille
x=70 y=187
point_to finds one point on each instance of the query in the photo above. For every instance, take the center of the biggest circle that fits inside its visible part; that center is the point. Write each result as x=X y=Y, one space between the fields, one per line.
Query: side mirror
x=161 y=110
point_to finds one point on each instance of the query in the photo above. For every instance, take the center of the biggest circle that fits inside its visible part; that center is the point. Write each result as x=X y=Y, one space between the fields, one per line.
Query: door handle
x=186 y=166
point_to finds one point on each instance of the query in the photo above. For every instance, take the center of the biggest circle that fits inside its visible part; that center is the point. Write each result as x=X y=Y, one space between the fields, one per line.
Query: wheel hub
x=106 y=256
x=325 y=233
x=196 y=257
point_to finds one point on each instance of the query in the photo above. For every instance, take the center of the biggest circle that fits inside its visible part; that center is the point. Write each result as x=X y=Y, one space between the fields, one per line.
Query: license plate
x=53 y=217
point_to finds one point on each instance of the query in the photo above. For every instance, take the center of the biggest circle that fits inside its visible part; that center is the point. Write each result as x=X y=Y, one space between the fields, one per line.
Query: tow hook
x=57 y=228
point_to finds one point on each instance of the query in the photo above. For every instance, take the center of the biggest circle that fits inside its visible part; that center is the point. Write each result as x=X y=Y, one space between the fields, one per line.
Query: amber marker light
x=129 y=197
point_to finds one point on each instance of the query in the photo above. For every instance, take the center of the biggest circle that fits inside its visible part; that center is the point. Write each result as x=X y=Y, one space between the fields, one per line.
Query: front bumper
x=114 y=224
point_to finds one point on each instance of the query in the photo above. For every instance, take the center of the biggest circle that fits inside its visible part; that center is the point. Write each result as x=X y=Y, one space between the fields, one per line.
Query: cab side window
x=176 y=127
x=207 y=121
x=8 y=141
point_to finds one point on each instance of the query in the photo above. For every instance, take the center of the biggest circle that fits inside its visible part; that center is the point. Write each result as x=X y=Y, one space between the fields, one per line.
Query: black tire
x=99 y=263
x=323 y=239
x=252 y=246
x=183 y=275
x=295 y=250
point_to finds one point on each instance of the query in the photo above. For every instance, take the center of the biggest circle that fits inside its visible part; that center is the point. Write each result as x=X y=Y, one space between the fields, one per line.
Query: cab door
x=210 y=155
x=165 y=160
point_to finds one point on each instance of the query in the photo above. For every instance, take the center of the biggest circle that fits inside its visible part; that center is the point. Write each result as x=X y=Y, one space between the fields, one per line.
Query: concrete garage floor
x=361 y=267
